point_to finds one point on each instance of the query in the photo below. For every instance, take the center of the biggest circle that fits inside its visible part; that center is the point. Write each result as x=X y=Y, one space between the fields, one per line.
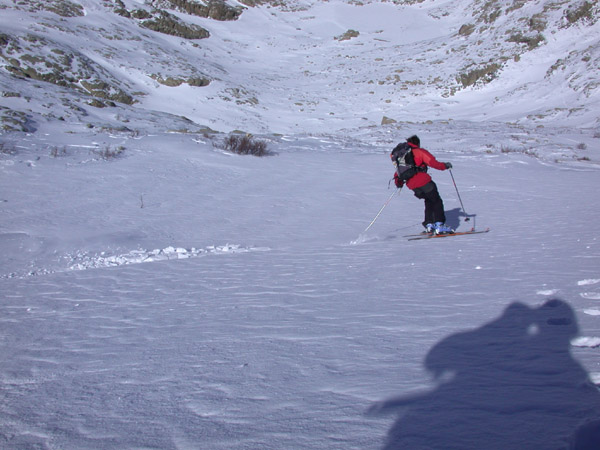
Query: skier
x=411 y=162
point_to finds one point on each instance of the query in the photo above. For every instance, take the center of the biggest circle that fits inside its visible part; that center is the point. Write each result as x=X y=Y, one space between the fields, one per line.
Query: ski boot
x=429 y=228
x=442 y=228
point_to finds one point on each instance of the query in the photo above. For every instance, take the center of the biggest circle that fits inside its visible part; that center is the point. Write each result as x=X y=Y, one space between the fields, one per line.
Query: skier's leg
x=429 y=211
x=437 y=206
x=424 y=193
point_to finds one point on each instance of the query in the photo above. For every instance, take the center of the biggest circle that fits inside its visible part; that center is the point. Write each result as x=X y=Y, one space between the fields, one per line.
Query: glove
x=448 y=165
x=397 y=181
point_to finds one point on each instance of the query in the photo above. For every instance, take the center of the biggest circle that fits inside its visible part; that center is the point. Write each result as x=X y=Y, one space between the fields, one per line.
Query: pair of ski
x=424 y=235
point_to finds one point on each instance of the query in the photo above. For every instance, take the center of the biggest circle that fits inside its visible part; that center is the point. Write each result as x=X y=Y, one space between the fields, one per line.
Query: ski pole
x=459 y=199
x=382 y=208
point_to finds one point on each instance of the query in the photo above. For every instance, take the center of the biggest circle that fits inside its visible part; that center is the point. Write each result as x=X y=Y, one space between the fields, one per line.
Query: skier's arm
x=429 y=160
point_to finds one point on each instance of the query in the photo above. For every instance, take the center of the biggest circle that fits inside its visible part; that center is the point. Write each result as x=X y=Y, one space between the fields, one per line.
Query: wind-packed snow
x=182 y=297
x=158 y=292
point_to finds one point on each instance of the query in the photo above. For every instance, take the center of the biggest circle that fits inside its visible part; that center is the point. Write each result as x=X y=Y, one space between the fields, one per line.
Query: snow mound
x=588 y=282
x=585 y=341
x=547 y=292
x=84 y=261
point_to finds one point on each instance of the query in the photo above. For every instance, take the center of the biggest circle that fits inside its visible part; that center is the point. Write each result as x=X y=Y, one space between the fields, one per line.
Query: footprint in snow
x=361 y=239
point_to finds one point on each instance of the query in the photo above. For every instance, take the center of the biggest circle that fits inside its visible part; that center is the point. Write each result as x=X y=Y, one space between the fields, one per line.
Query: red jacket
x=422 y=159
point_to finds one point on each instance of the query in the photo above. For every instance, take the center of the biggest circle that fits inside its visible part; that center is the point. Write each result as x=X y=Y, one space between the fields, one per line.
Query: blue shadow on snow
x=510 y=384
x=453 y=217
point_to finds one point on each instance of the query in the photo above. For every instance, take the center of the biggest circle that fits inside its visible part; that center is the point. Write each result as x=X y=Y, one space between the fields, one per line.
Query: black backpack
x=404 y=162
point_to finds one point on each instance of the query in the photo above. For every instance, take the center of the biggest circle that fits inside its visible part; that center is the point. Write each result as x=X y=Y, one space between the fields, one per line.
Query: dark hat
x=414 y=139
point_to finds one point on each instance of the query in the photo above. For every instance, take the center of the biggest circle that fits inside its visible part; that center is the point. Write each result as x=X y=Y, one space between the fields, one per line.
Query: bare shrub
x=108 y=153
x=198 y=81
x=523 y=151
x=466 y=29
x=6 y=149
x=169 y=24
x=584 y=11
x=538 y=22
x=65 y=8
x=483 y=75
x=245 y=145
x=215 y=9
x=531 y=41
x=140 y=14
x=347 y=35
x=56 y=152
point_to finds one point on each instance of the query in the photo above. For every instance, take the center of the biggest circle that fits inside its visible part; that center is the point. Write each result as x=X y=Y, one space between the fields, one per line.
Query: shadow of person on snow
x=510 y=384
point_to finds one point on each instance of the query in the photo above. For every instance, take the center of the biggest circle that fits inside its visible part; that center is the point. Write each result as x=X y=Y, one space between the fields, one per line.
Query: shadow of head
x=520 y=332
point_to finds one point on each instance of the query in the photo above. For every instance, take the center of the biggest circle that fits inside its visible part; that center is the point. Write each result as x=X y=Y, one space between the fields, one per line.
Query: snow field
x=179 y=297
x=278 y=329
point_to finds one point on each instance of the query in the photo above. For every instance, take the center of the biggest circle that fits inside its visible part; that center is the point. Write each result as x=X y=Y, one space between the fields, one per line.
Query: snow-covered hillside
x=157 y=291
x=308 y=66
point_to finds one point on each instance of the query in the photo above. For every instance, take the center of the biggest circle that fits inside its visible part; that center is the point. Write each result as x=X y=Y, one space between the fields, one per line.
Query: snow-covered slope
x=177 y=296
x=159 y=292
x=307 y=66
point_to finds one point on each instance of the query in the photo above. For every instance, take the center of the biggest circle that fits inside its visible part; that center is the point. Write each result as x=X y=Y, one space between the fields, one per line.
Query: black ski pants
x=434 y=206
